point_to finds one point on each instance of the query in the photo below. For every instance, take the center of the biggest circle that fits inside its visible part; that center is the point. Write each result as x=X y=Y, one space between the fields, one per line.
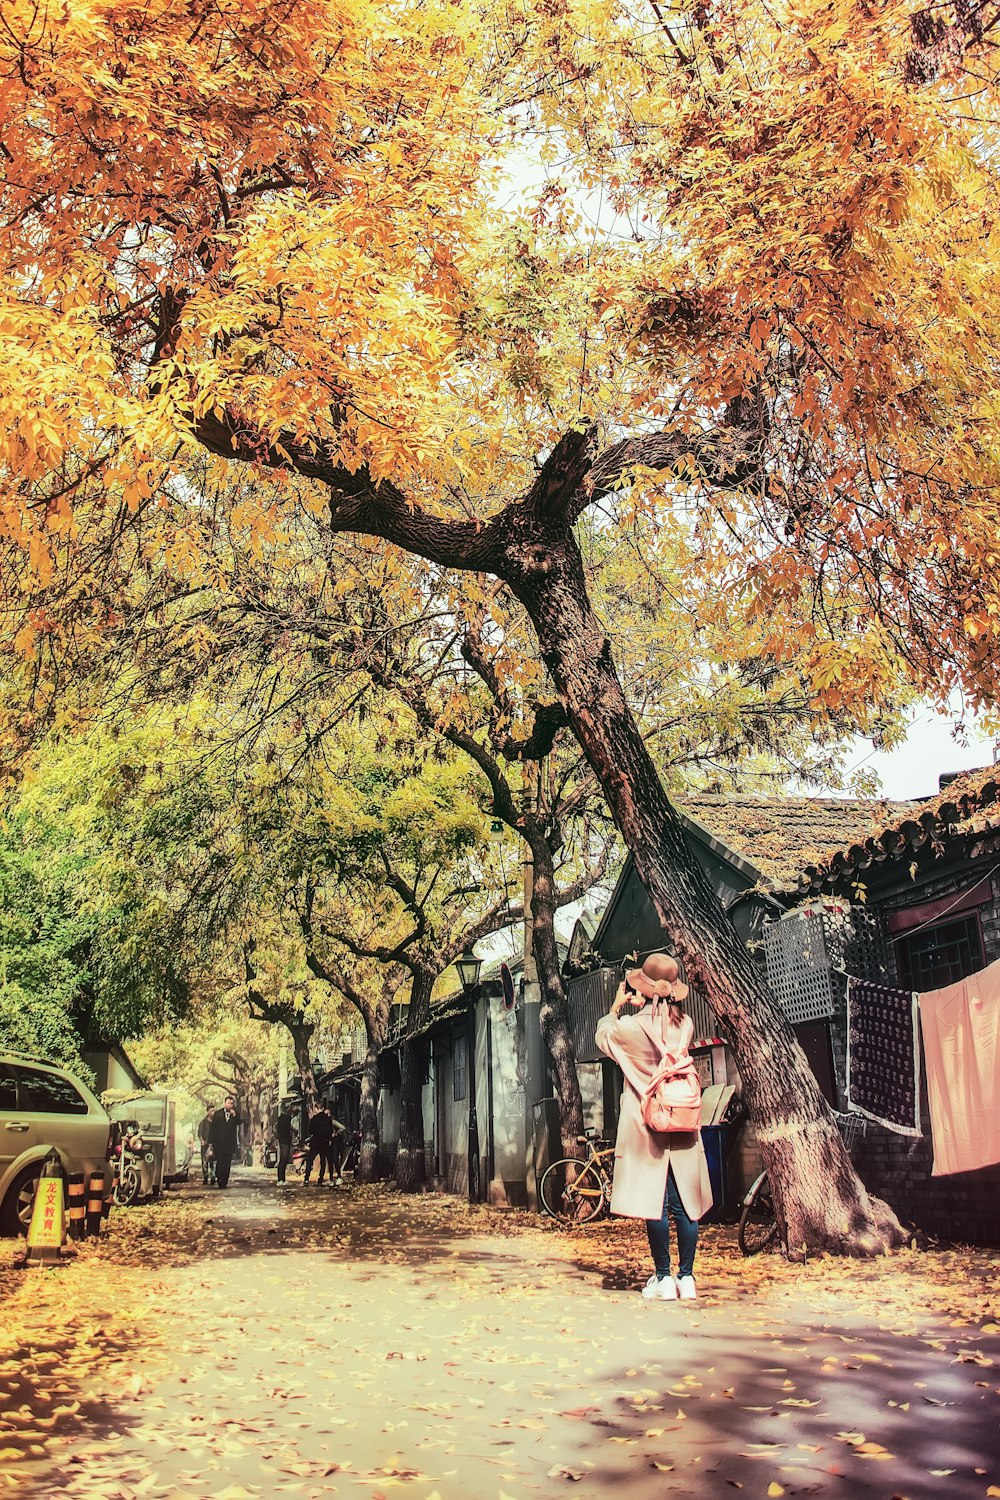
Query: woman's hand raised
x=624 y=996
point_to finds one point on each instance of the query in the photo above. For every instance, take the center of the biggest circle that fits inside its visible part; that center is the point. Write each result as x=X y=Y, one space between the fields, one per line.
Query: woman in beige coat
x=657 y=1177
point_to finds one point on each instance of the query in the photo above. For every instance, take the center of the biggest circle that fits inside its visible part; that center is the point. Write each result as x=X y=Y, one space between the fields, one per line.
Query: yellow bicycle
x=579 y=1192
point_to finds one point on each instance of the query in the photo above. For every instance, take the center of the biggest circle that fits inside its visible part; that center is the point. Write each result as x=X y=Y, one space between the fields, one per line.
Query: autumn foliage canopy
x=403 y=248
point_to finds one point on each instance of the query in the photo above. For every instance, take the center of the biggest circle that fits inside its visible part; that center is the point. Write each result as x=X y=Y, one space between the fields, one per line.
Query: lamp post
x=468 y=967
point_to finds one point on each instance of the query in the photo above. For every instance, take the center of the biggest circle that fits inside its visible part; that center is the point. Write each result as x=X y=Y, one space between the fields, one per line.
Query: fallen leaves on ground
x=362 y=1342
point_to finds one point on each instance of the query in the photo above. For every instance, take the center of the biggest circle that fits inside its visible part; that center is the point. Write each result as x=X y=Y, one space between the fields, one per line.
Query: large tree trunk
x=553 y=1012
x=820 y=1200
x=259 y=1117
x=301 y=1034
x=368 y=1117
x=411 y=1162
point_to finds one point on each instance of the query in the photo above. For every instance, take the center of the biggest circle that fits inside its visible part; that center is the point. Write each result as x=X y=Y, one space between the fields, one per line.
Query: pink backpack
x=672 y=1102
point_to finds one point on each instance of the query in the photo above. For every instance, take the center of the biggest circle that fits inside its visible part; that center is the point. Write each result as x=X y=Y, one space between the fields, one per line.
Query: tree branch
x=357 y=502
x=727 y=459
x=337 y=980
x=547 y=718
x=396 y=681
x=500 y=915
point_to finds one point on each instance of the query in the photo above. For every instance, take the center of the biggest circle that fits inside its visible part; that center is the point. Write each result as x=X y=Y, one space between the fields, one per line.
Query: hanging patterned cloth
x=883 y=1055
x=961 y=1027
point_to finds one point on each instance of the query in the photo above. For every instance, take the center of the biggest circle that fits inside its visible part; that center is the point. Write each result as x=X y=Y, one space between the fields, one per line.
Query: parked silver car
x=43 y=1106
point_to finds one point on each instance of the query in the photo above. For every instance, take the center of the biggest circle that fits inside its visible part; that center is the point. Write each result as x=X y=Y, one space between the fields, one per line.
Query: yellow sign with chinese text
x=45 y=1233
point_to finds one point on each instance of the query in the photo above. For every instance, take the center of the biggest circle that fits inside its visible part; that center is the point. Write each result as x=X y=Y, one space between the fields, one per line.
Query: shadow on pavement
x=878 y=1419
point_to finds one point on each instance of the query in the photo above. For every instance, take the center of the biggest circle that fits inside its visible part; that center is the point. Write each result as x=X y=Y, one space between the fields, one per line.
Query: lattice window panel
x=865 y=951
x=801 y=951
x=590 y=997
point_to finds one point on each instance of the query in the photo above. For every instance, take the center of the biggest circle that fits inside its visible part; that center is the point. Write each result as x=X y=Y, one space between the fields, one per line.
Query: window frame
x=971 y=919
x=459 y=1075
x=25 y=1107
x=7 y=1075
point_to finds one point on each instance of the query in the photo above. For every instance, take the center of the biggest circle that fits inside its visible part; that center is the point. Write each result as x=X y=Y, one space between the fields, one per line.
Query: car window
x=48 y=1093
x=8 y=1091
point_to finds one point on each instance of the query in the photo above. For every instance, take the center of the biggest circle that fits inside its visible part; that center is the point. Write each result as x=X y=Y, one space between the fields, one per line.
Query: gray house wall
x=451 y=1123
x=507 y=1040
x=964 y=1206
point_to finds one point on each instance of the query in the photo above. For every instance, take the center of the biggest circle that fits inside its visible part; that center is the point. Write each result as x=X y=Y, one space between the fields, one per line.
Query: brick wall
x=965 y=1206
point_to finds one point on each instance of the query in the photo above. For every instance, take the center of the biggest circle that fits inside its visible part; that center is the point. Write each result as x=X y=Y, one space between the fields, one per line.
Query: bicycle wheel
x=571 y=1192
x=758 y=1222
x=127 y=1187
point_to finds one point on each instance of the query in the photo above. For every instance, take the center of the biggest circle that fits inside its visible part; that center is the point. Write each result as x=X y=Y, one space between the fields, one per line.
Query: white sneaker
x=686 y=1289
x=660 y=1288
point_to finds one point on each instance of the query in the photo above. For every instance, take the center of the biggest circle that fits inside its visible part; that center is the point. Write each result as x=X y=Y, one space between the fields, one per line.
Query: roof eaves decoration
x=959 y=809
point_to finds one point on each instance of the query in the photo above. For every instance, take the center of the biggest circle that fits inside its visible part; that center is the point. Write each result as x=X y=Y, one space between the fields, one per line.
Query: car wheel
x=16 y=1213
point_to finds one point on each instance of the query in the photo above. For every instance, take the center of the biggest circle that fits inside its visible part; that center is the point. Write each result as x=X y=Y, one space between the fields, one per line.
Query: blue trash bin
x=715 y=1139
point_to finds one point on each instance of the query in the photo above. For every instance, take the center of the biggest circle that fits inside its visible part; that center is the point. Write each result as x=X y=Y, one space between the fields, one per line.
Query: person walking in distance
x=205 y=1142
x=283 y=1135
x=335 y=1147
x=658 y=1176
x=320 y=1134
x=225 y=1138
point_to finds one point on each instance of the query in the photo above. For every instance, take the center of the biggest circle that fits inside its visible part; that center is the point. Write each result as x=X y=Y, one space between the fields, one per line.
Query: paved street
x=318 y=1342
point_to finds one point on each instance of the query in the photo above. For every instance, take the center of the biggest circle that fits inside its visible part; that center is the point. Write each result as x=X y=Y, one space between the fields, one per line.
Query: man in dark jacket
x=283 y=1135
x=320 y=1133
x=224 y=1138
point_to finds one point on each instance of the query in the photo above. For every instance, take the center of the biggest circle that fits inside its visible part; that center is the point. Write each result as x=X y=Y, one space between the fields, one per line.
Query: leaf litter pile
x=243 y=1345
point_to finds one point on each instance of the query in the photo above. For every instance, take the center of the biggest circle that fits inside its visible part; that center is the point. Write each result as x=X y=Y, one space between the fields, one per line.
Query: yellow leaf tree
x=453 y=276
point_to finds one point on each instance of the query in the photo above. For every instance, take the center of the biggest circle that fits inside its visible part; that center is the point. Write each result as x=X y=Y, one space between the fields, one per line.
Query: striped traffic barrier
x=95 y=1202
x=46 y=1231
x=76 y=1205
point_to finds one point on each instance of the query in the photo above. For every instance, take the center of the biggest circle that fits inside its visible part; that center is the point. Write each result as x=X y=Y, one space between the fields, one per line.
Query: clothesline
x=935 y=919
x=960 y=1026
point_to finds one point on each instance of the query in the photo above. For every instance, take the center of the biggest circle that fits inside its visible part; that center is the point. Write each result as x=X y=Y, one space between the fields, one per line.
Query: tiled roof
x=781 y=836
x=969 y=805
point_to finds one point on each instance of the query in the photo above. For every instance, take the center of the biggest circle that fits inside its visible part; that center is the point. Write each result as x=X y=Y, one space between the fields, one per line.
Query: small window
x=49 y=1094
x=940 y=955
x=8 y=1092
x=460 y=1066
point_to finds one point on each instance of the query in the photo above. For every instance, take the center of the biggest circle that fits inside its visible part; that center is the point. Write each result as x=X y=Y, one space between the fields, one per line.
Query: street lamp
x=468 y=967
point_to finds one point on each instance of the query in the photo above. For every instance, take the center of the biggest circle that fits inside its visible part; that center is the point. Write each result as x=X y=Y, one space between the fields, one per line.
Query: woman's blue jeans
x=659 y=1233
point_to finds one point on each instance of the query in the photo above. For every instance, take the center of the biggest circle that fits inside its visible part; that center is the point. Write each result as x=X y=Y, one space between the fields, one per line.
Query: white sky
x=931 y=748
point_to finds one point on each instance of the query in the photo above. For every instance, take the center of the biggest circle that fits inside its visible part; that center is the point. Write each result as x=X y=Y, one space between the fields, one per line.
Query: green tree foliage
x=46 y=944
x=91 y=948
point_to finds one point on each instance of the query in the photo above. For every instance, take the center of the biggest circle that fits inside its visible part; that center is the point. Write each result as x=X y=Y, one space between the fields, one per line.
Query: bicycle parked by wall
x=758 y=1221
x=579 y=1192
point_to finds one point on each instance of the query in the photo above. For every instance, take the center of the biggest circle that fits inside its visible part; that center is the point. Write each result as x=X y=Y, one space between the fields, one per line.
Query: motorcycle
x=129 y=1154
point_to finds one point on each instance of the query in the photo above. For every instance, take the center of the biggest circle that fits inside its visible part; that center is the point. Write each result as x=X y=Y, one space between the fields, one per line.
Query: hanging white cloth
x=961 y=1030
